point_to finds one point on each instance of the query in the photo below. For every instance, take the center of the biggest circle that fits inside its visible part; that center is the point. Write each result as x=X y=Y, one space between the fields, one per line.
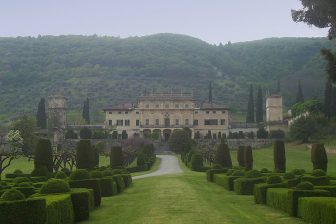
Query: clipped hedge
x=80 y=174
x=59 y=209
x=30 y=211
x=317 y=210
x=55 y=186
x=80 y=198
x=44 y=155
x=13 y=175
x=27 y=191
x=106 y=185
x=120 y=182
x=225 y=181
x=260 y=191
x=127 y=179
x=319 y=181
x=330 y=188
x=196 y=163
x=93 y=184
x=210 y=173
x=116 y=158
x=245 y=186
x=277 y=198
x=294 y=195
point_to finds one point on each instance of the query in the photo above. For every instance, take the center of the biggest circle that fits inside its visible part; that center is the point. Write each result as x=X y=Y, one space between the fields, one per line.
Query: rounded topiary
x=253 y=174
x=274 y=179
x=116 y=157
x=80 y=174
x=25 y=184
x=96 y=174
x=55 y=186
x=141 y=160
x=319 y=157
x=305 y=186
x=248 y=158
x=279 y=156
x=238 y=173
x=60 y=175
x=18 y=180
x=223 y=156
x=298 y=172
x=197 y=162
x=230 y=172
x=18 y=172
x=85 y=157
x=107 y=173
x=240 y=156
x=264 y=170
x=289 y=176
x=12 y=195
x=40 y=172
x=85 y=133
x=44 y=155
x=318 y=173
x=217 y=166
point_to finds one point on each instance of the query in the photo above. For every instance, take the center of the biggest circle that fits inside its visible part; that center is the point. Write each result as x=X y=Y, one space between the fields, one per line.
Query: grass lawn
x=183 y=198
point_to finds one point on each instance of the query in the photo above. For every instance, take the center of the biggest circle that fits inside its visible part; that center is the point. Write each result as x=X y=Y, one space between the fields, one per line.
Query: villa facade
x=165 y=112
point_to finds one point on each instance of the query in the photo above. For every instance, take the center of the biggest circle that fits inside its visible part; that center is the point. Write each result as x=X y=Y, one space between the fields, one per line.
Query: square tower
x=274 y=104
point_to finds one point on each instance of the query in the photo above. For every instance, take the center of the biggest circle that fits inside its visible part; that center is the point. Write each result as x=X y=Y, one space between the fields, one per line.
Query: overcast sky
x=211 y=20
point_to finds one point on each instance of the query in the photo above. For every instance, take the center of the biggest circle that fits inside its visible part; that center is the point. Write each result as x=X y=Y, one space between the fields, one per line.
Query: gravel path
x=169 y=165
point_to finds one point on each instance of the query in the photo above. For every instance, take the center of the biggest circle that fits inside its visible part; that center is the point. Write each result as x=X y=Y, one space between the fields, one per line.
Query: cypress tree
x=240 y=156
x=319 y=157
x=259 y=107
x=250 y=107
x=223 y=156
x=333 y=102
x=299 y=95
x=116 y=157
x=248 y=158
x=85 y=157
x=41 y=116
x=86 y=111
x=210 y=92
x=278 y=87
x=279 y=155
x=327 y=99
x=44 y=155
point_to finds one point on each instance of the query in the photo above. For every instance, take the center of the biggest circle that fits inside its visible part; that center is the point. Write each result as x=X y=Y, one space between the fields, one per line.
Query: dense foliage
x=31 y=68
x=44 y=155
x=85 y=158
x=180 y=141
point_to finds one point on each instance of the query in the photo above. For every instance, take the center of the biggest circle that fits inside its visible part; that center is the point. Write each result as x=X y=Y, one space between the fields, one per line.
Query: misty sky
x=211 y=20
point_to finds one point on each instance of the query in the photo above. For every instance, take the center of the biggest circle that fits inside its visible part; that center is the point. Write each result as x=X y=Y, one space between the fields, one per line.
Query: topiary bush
x=264 y=170
x=305 y=186
x=253 y=174
x=60 y=175
x=318 y=173
x=279 y=155
x=107 y=173
x=116 y=157
x=96 y=174
x=223 y=156
x=197 y=162
x=55 y=186
x=288 y=176
x=17 y=172
x=298 y=172
x=80 y=174
x=141 y=160
x=85 y=157
x=274 y=179
x=25 y=184
x=41 y=172
x=12 y=195
x=19 y=180
x=85 y=133
x=240 y=156
x=319 y=157
x=238 y=173
x=44 y=155
x=248 y=158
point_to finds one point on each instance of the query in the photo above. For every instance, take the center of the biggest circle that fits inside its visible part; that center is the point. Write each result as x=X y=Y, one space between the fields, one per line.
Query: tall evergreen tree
x=210 y=92
x=259 y=107
x=327 y=99
x=250 y=107
x=299 y=95
x=278 y=87
x=41 y=116
x=86 y=111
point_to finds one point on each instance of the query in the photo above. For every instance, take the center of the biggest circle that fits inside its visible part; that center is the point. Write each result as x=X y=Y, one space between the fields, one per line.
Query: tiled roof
x=124 y=106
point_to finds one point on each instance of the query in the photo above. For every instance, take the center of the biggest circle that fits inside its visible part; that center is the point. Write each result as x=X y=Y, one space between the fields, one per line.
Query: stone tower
x=274 y=108
x=57 y=116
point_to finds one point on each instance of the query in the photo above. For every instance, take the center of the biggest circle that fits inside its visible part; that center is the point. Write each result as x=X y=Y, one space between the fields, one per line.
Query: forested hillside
x=110 y=70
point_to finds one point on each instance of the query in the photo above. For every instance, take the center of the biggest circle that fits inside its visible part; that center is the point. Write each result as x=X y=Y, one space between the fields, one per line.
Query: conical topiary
x=85 y=157
x=222 y=155
x=240 y=156
x=248 y=157
x=44 y=155
x=279 y=155
x=116 y=157
x=319 y=157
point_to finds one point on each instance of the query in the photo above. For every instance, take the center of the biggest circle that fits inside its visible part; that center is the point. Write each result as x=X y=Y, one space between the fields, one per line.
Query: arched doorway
x=166 y=134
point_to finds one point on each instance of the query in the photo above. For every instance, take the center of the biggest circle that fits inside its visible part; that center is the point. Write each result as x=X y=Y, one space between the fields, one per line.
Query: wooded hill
x=111 y=70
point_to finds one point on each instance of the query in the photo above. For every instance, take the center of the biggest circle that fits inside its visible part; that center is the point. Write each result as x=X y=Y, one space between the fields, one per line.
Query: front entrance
x=166 y=134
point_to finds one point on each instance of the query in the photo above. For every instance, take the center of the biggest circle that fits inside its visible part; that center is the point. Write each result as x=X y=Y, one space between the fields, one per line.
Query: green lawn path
x=184 y=198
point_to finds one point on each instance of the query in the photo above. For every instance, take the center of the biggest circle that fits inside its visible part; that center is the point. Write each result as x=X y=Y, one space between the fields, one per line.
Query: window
x=137 y=123
x=222 y=121
x=177 y=106
x=177 y=122
x=127 y=122
x=147 y=122
x=126 y=112
x=167 y=122
x=110 y=112
x=167 y=106
x=186 y=121
x=196 y=122
x=137 y=112
x=208 y=112
x=157 y=105
x=110 y=122
x=214 y=112
x=157 y=122
x=119 y=112
x=196 y=112
x=147 y=106
x=186 y=106
x=210 y=122
x=223 y=112
x=120 y=122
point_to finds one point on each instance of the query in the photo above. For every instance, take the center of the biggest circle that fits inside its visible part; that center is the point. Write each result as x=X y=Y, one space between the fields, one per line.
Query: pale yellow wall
x=274 y=110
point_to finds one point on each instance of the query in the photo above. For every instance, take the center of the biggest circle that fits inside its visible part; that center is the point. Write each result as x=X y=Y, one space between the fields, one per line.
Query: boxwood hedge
x=210 y=173
x=318 y=210
x=260 y=191
x=245 y=186
x=93 y=184
x=277 y=198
